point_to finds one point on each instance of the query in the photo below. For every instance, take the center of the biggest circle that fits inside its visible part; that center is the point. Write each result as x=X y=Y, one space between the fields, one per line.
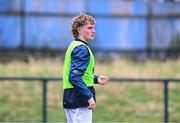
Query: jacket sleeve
x=96 y=79
x=79 y=61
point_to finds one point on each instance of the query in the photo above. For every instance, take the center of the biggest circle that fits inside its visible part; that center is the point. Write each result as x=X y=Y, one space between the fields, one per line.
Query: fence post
x=44 y=103
x=166 y=113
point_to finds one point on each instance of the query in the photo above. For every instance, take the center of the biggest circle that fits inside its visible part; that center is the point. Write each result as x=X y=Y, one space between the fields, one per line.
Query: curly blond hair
x=79 y=21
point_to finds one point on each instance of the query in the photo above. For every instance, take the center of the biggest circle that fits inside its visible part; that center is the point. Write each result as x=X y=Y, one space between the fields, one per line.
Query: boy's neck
x=78 y=39
x=81 y=38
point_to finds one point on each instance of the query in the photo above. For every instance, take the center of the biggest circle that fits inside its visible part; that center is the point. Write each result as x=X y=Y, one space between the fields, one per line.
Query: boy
x=78 y=72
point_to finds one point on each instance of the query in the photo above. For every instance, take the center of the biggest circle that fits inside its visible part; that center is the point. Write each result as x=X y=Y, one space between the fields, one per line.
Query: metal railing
x=45 y=80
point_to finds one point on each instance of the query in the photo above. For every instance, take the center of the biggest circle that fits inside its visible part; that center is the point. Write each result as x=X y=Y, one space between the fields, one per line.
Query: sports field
x=116 y=102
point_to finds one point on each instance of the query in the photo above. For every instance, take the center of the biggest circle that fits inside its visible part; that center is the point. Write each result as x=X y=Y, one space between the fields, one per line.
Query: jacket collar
x=77 y=39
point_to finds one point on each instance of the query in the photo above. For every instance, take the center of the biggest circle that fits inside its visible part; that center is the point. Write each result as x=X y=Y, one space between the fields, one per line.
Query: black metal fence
x=45 y=80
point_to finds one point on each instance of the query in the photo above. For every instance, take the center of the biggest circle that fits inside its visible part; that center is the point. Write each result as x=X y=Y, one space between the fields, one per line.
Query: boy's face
x=86 y=32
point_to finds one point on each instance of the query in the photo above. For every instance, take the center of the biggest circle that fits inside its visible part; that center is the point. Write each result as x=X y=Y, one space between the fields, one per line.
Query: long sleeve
x=96 y=79
x=79 y=61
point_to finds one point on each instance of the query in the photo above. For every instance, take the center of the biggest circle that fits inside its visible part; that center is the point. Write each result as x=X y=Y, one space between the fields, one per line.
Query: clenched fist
x=92 y=103
x=103 y=80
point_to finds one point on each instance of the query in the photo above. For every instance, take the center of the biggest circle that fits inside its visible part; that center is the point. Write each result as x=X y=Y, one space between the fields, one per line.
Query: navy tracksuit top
x=79 y=95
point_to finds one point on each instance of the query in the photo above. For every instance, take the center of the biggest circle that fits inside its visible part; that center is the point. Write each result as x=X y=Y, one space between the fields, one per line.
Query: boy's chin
x=90 y=39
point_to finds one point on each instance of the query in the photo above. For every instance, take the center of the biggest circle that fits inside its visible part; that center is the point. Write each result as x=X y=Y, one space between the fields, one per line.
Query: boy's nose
x=93 y=30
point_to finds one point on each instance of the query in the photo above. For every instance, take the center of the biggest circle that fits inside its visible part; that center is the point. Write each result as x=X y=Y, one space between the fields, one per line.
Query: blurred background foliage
x=116 y=102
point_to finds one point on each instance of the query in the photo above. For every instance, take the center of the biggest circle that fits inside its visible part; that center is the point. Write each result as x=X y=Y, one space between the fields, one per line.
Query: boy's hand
x=92 y=103
x=103 y=80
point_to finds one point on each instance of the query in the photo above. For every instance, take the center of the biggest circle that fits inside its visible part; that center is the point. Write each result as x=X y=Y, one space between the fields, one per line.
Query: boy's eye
x=89 y=27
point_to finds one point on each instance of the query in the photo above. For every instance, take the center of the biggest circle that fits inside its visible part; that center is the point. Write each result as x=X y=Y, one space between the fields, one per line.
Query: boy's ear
x=79 y=30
